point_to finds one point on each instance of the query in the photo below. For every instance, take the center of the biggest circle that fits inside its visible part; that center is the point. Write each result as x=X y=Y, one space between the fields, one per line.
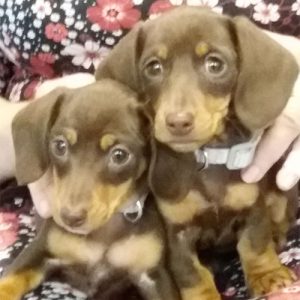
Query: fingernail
x=286 y=180
x=252 y=174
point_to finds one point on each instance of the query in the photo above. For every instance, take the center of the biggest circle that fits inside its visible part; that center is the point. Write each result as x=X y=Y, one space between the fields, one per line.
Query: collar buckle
x=236 y=157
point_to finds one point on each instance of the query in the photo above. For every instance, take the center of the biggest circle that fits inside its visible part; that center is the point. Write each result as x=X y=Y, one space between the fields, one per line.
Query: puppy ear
x=122 y=63
x=30 y=130
x=266 y=77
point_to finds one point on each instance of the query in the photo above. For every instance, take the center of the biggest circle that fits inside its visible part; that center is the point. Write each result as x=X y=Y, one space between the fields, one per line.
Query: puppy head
x=202 y=72
x=93 y=140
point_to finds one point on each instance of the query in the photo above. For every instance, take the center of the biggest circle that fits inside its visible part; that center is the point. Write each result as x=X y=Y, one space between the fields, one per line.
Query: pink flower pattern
x=113 y=14
x=8 y=229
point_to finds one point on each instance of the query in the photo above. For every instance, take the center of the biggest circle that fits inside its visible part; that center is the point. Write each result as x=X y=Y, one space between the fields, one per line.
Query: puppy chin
x=78 y=231
x=183 y=147
x=81 y=230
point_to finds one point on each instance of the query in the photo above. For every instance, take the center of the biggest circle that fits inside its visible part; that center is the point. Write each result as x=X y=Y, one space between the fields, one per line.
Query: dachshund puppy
x=213 y=84
x=105 y=223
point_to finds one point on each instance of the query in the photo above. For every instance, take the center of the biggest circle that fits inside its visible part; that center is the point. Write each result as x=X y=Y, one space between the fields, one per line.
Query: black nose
x=180 y=123
x=72 y=217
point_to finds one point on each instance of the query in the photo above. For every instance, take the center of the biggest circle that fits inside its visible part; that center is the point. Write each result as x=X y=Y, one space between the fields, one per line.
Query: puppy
x=105 y=224
x=213 y=84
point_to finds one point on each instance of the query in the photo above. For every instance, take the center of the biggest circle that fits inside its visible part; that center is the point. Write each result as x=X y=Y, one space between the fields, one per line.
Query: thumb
x=272 y=146
x=289 y=174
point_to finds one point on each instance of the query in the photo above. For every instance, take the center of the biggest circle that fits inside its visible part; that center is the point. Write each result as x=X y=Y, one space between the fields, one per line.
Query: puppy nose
x=73 y=218
x=180 y=123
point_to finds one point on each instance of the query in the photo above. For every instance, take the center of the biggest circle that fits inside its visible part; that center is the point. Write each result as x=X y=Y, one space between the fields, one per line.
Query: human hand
x=285 y=133
x=7 y=158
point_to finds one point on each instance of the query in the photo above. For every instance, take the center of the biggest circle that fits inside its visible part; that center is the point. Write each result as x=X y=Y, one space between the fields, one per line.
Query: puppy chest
x=136 y=253
x=74 y=249
x=133 y=253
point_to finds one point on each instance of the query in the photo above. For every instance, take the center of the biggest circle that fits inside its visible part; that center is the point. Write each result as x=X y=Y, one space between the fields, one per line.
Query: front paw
x=271 y=281
x=200 y=292
x=9 y=290
x=15 y=286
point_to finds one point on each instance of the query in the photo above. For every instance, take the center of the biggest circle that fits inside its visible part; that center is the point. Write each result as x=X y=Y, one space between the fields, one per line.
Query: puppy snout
x=180 y=123
x=73 y=218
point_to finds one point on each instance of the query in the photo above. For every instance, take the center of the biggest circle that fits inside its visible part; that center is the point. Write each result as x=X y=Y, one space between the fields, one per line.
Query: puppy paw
x=200 y=292
x=15 y=286
x=9 y=291
x=271 y=281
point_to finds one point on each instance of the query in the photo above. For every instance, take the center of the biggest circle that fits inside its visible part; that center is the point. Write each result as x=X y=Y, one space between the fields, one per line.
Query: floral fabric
x=46 y=38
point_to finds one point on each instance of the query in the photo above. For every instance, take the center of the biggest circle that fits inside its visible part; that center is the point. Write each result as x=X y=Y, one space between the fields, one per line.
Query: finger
x=289 y=174
x=272 y=146
x=70 y=81
x=41 y=193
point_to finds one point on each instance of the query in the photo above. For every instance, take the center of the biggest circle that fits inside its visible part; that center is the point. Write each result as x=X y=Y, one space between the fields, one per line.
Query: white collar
x=133 y=209
x=235 y=157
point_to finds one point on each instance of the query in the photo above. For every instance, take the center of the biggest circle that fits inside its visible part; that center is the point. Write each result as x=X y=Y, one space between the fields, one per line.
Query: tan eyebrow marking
x=201 y=49
x=70 y=135
x=107 y=141
x=162 y=52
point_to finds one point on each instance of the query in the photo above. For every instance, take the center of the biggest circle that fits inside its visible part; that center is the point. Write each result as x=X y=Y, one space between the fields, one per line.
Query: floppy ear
x=30 y=130
x=122 y=63
x=266 y=78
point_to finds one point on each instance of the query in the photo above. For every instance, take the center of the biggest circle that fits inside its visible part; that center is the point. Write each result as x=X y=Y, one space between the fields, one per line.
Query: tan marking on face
x=185 y=210
x=209 y=118
x=107 y=140
x=201 y=49
x=16 y=285
x=138 y=253
x=241 y=195
x=205 y=289
x=162 y=52
x=71 y=135
x=105 y=199
x=74 y=248
x=277 y=204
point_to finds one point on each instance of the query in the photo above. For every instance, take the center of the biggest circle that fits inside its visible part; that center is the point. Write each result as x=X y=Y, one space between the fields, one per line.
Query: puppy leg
x=263 y=270
x=200 y=285
x=157 y=285
x=194 y=280
x=16 y=285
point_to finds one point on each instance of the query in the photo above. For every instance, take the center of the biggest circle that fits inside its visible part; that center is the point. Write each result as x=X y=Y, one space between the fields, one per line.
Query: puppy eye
x=119 y=156
x=153 y=68
x=59 y=146
x=215 y=65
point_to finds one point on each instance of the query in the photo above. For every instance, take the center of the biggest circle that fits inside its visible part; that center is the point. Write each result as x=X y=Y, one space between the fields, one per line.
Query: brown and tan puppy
x=94 y=141
x=212 y=81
